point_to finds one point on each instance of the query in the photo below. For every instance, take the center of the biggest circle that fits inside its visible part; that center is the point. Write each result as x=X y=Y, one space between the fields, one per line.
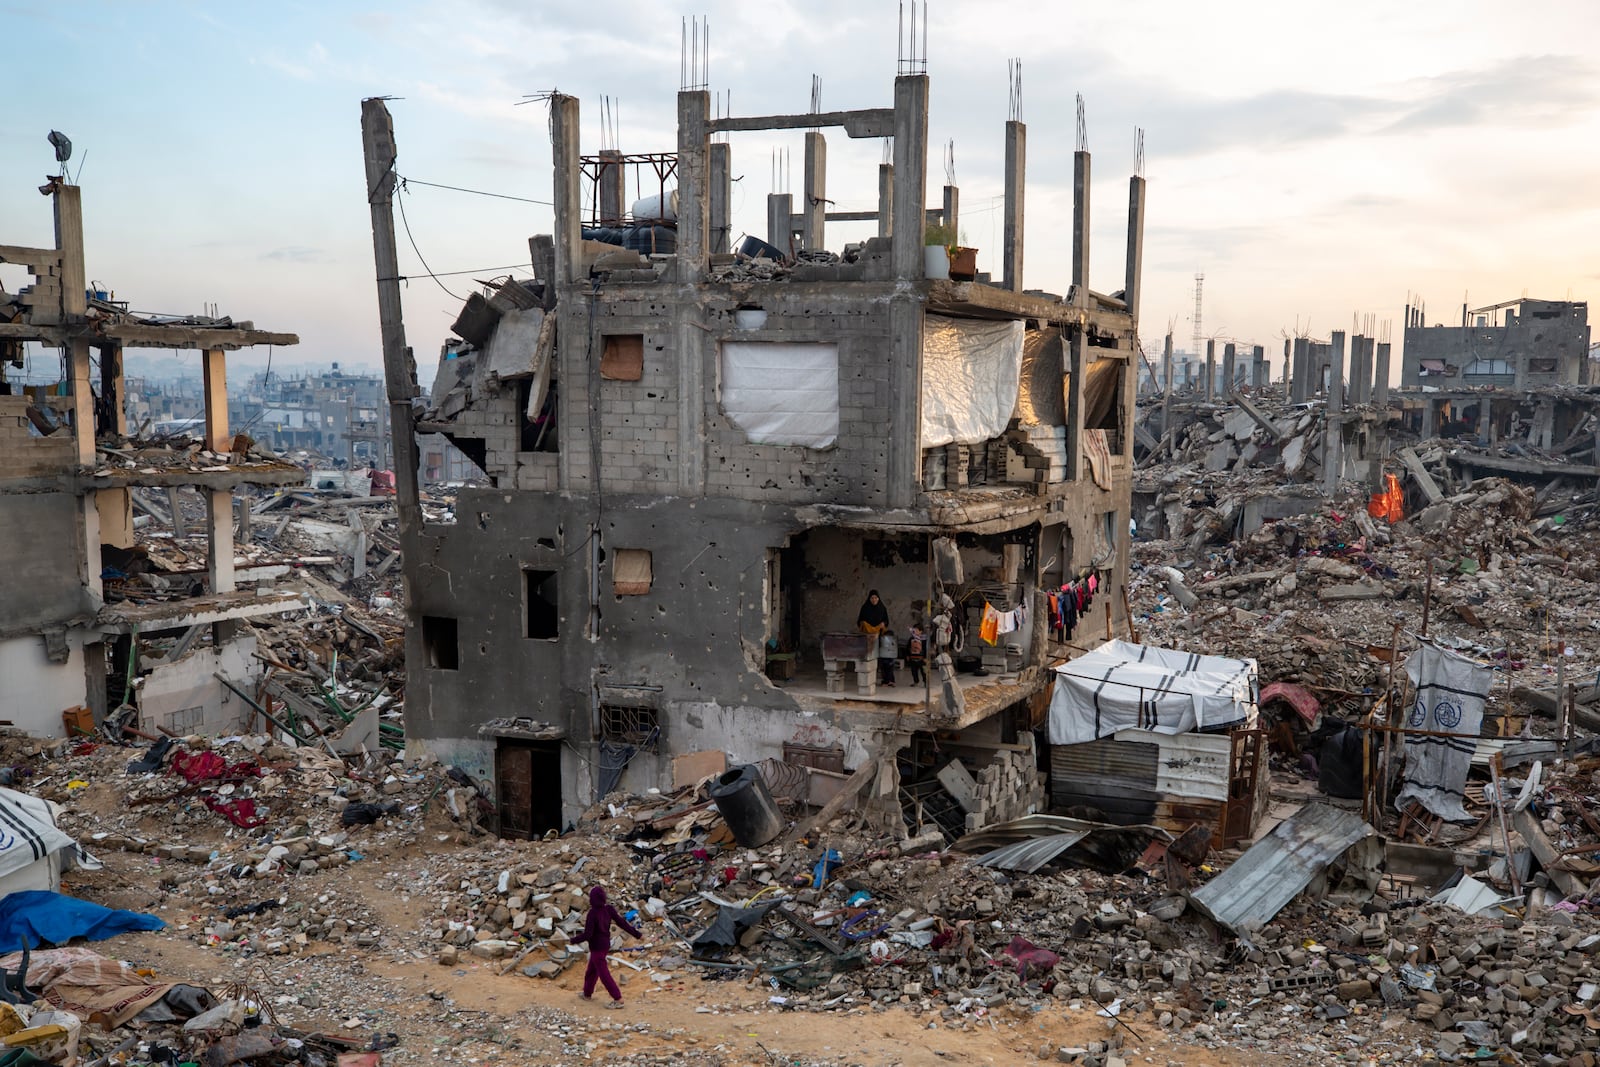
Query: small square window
x=441 y=643
x=630 y=571
x=623 y=357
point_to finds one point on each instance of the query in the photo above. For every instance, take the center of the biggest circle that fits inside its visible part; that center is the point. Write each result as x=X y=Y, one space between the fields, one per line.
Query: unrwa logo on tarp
x=1447 y=714
x=8 y=840
x=1419 y=714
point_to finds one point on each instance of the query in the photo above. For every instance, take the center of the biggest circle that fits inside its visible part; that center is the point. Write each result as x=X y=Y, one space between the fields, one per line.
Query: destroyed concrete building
x=1517 y=344
x=702 y=458
x=80 y=599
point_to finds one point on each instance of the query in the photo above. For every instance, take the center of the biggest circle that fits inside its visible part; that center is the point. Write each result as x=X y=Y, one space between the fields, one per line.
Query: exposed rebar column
x=780 y=222
x=1016 y=190
x=1211 y=370
x=721 y=197
x=1380 y=382
x=1080 y=227
x=885 y=199
x=1229 y=356
x=610 y=188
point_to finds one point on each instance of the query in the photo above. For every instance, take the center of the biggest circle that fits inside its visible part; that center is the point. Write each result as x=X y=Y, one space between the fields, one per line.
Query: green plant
x=937 y=233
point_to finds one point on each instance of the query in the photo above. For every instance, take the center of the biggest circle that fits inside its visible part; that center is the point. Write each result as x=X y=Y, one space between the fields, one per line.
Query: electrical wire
x=476 y=192
x=407 y=223
x=455 y=273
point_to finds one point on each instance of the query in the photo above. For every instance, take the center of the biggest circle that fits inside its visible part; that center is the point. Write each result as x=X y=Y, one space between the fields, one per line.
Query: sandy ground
x=470 y=1013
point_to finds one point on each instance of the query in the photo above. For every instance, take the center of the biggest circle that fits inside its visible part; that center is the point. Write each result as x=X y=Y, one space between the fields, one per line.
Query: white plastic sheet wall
x=781 y=392
x=970 y=374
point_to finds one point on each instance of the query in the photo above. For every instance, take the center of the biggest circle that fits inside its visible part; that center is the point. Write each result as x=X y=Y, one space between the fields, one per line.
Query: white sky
x=1315 y=161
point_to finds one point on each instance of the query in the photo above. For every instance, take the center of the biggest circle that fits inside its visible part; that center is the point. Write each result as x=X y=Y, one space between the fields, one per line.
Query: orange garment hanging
x=989 y=629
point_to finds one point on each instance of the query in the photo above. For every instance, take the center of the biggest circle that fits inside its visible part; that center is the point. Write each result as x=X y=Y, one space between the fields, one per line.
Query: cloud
x=298 y=254
x=1530 y=91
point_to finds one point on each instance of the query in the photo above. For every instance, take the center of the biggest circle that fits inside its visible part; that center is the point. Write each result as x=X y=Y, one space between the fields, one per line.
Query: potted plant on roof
x=936 y=256
x=963 y=262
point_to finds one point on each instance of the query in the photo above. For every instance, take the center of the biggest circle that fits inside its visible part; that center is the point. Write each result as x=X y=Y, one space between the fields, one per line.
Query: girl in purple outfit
x=597 y=933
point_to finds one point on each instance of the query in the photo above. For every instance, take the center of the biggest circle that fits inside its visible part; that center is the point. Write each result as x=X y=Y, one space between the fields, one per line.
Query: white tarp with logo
x=1451 y=692
x=782 y=393
x=971 y=371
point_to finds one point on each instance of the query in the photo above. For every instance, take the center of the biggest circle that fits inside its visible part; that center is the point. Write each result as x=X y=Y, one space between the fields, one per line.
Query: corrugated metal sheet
x=1028 y=843
x=1187 y=765
x=1029 y=856
x=1273 y=872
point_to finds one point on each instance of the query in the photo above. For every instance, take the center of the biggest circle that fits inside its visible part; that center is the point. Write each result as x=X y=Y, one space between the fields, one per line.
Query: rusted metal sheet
x=1031 y=842
x=1277 y=868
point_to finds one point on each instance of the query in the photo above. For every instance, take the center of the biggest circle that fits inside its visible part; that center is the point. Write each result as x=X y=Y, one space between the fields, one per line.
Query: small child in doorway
x=597 y=932
x=916 y=653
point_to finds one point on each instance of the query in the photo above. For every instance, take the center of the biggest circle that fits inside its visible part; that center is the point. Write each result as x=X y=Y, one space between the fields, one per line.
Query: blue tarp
x=38 y=917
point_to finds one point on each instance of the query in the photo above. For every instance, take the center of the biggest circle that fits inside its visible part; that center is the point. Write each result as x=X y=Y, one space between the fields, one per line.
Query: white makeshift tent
x=33 y=852
x=1121 y=685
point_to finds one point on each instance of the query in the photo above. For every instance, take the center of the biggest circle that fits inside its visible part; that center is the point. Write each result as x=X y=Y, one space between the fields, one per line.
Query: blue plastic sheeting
x=38 y=917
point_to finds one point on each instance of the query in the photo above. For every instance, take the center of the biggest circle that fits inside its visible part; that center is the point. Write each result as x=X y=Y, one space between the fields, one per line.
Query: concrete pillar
x=1229 y=359
x=694 y=113
x=903 y=432
x=814 y=203
x=950 y=215
x=1016 y=190
x=1430 y=419
x=1133 y=280
x=568 y=187
x=885 y=199
x=721 y=196
x=219 y=540
x=1080 y=227
x=1300 y=379
x=1336 y=373
x=1211 y=370
x=1166 y=393
x=780 y=224
x=610 y=188
x=910 y=173
x=1288 y=362
x=1258 y=367
x=1380 y=378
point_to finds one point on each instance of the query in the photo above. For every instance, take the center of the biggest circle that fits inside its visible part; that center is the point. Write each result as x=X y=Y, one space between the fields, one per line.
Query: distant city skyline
x=1314 y=163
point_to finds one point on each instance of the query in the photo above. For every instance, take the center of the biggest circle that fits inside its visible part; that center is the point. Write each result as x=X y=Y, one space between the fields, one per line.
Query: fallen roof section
x=1031 y=842
x=1277 y=868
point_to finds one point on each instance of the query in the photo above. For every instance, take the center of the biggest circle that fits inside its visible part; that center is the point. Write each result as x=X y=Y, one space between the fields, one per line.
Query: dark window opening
x=1541 y=366
x=640 y=727
x=441 y=643
x=542 y=604
x=536 y=429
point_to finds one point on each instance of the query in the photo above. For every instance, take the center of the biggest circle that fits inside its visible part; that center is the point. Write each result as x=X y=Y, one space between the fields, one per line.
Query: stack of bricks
x=1010 y=787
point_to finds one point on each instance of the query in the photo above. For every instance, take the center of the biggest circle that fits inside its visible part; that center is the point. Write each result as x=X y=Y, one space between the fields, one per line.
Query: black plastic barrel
x=754 y=247
x=746 y=805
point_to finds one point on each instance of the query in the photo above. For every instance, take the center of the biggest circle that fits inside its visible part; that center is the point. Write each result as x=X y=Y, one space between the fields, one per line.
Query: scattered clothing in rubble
x=154 y=756
x=367 y=814
x=209 y=766
x=240 y=812
x=37 y=917
x=1032 y=961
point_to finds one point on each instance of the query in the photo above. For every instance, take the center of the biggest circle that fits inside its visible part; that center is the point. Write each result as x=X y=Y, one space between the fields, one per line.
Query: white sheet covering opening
x=782 y=393
x=971 y=371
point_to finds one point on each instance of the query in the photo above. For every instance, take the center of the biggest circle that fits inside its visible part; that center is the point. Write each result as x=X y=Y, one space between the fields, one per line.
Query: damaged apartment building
x=703 y=454
x=95 y=623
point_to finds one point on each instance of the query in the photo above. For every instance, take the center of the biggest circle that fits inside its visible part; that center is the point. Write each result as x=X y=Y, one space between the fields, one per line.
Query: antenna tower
x=1199 y=334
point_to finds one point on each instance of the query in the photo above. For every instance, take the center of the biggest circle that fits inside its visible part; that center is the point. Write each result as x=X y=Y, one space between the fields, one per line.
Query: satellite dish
x=63 y=145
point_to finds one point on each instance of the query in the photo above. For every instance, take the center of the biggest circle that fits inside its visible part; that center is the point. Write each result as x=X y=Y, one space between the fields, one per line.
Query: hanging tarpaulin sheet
x=1121 y=685
x=782 y=393
x=970 y=375
x=1041 y=399
x=1451 y=691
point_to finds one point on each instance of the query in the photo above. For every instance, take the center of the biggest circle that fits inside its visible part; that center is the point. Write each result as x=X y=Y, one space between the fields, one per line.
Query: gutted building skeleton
x=701 y=460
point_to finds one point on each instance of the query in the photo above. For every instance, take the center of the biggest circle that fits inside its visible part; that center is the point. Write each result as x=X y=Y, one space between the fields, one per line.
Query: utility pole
x=399 y=369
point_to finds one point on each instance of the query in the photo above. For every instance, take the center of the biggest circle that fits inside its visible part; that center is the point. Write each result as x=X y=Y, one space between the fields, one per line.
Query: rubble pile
x=1315 y=598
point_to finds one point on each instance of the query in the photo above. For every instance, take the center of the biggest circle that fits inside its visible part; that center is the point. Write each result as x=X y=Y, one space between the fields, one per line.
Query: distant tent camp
x=33 y=852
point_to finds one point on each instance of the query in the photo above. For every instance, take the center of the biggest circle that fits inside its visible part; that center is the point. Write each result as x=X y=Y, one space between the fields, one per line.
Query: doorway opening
x=527 y=778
